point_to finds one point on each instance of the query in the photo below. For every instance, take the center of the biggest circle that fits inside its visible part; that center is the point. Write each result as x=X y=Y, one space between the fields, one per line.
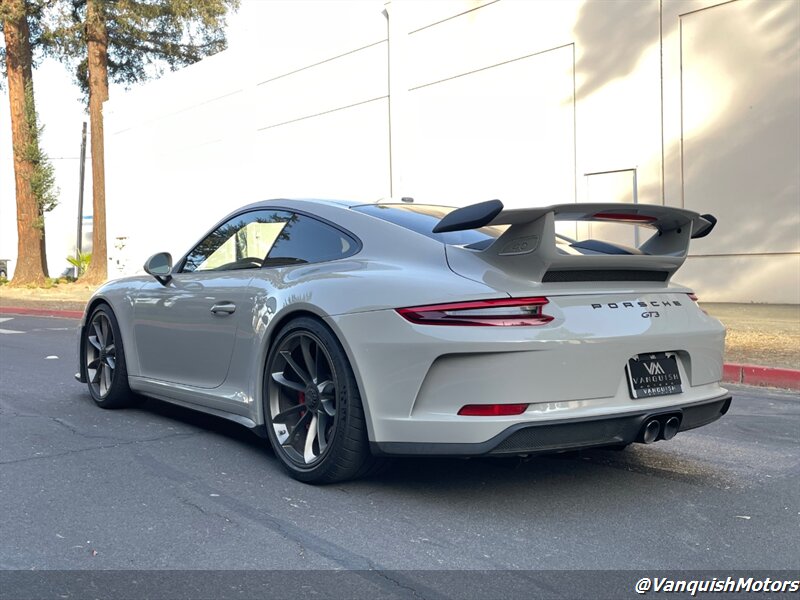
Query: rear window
x=422 y=218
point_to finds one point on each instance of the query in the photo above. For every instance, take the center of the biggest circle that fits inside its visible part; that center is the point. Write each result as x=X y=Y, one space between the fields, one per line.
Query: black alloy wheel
x=104 y=360
x=314 y=418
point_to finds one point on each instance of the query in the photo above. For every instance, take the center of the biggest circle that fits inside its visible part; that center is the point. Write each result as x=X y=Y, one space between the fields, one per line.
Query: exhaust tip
x=651 y=431
x=671 y=427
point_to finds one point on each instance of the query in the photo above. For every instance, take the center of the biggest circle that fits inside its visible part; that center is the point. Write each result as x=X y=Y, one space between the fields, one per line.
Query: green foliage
x=10 y=11
x=144 y=36
x=81 y=262
x=42 y=179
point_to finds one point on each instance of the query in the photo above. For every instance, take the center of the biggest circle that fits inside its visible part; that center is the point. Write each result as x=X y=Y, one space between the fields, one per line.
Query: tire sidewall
x=346 y=396
x=119 y=393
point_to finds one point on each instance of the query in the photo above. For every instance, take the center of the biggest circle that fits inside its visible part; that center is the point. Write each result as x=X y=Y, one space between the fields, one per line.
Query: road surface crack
x=204 y=511
x=103 y=447
x=384 y=574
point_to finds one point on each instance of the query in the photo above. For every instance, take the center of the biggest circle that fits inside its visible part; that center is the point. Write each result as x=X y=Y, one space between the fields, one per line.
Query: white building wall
x=691 y=103
x=740 y=123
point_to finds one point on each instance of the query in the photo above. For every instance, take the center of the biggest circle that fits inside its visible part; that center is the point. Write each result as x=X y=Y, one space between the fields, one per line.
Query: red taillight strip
x=492 y=410
x=693 y=298
x=631 y=217
x=437 y=314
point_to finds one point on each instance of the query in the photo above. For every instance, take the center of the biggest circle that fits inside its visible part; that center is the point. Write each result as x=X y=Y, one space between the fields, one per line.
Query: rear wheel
x=104 y=360
x=312 y=408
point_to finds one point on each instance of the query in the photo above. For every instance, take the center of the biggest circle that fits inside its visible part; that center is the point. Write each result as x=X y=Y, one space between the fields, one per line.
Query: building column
x=400 y=124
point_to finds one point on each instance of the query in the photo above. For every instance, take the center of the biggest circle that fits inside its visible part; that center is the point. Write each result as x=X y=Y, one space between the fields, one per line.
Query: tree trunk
x=31 y=267
x=97 y=37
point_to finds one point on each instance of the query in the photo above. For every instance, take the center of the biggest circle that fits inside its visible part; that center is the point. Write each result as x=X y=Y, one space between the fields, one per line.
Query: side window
x=306 y=240
x=240 y=243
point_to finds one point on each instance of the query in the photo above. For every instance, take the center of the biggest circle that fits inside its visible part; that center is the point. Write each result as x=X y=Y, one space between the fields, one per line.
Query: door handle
x=226 y=308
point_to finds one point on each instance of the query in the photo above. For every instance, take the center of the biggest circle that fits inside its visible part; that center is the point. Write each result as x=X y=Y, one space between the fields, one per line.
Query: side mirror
x=160 y=266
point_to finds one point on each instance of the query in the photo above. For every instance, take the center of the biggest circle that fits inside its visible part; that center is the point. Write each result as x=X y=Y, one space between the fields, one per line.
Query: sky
x=62 y=111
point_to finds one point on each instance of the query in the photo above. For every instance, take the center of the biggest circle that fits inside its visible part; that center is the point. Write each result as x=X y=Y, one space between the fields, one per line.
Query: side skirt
x=156 y=390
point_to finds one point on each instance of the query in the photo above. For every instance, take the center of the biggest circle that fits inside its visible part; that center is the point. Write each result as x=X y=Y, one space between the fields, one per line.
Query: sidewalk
x=69 y=297
x=762 y=346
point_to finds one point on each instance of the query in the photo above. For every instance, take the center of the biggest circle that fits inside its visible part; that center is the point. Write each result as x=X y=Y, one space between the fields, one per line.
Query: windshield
x=422 y=218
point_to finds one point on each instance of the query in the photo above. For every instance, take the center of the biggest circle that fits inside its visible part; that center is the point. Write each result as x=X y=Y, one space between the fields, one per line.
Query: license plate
x=653 y=375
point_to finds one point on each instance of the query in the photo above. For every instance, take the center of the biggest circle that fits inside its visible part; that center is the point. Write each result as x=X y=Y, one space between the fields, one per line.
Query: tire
x=310 y=392
x=103 y=361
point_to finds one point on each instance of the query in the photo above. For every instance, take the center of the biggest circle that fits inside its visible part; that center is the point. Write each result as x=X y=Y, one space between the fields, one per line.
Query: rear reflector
x=502 y=312
x=492 y=410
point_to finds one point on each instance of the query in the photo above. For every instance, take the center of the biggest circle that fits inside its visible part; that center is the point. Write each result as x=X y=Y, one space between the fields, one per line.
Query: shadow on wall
x=745 y=163
x=611 y=37
x=742 y=163
x=723 y=278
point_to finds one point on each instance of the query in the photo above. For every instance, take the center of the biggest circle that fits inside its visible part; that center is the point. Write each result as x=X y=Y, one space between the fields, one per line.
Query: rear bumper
x=415 y=378
x=567 y=434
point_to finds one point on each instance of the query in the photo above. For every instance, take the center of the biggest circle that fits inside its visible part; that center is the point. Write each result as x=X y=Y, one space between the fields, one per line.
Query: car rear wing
x=528 y=248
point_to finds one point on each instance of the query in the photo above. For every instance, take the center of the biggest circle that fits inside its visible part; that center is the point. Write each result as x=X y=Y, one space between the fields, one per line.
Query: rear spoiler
x=663 y=218
x=527 y=249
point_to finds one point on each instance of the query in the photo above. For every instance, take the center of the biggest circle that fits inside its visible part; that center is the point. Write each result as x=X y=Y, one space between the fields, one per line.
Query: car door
x=186 y=330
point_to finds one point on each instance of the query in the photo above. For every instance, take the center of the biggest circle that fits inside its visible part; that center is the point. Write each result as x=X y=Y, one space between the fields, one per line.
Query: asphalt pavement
x=159 y=487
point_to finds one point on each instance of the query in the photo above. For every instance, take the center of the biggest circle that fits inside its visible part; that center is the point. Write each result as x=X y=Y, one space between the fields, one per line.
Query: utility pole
x=79 y=241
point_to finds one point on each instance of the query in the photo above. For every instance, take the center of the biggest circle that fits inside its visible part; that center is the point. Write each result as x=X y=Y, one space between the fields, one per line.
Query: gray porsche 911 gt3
x=347 y=332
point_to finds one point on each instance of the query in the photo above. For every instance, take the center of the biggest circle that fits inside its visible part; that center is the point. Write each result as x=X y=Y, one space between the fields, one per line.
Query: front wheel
x=104 y=360
x=312 y=408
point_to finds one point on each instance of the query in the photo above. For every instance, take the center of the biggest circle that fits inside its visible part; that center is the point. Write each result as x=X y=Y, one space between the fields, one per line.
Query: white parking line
x=8 y=331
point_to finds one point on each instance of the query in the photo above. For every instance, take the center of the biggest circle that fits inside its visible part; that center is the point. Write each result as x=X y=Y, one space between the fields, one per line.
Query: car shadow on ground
x=665 y=461
x=206 y=422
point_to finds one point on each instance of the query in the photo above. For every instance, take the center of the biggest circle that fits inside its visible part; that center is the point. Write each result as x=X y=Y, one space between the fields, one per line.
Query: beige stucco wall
x=688 y=103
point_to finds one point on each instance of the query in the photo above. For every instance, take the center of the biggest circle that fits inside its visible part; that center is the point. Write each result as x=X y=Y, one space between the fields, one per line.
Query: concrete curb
x=41 y=312
x=732 y=373
x=762 y=376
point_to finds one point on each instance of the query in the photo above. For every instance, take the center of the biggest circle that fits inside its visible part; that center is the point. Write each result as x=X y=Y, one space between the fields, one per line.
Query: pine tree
x=33 y=173
x=127 y=41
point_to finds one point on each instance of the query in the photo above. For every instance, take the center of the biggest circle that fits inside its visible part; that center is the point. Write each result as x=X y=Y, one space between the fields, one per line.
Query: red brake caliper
x=301 y=397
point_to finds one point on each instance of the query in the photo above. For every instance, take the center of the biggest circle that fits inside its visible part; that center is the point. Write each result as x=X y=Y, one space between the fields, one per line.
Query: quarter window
x=269 y=238
x=240 y=243
x=307 y=240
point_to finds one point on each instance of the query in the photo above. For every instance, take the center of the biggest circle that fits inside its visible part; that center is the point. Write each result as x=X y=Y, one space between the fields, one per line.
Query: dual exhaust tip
x=661 y=428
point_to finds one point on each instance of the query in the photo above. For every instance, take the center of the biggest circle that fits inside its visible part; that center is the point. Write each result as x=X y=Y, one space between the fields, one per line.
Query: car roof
x=309 y=201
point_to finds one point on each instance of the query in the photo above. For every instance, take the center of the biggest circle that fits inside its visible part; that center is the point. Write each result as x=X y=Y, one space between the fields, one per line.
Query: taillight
x=503 y=312
x=693 y=298
x=492 y=410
